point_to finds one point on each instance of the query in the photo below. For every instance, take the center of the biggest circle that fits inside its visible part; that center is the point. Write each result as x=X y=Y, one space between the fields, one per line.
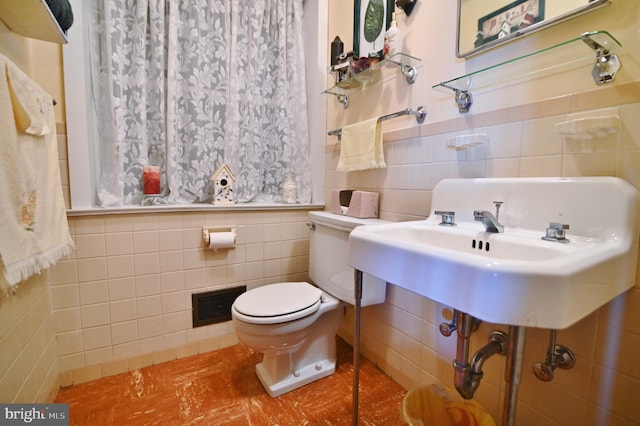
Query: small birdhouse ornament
x=223 y=181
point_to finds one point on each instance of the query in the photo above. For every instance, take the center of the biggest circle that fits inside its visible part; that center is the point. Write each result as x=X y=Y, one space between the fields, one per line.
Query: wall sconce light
x=406 y=5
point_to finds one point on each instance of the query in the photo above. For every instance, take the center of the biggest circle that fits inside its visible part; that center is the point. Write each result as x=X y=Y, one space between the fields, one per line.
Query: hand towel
x=361 y=146
x=33 y=221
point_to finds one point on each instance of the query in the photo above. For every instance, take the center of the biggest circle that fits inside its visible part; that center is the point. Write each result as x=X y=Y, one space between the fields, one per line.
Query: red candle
x=151 y=179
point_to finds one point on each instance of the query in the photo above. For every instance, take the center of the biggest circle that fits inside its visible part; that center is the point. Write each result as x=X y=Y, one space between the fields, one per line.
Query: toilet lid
x=280 y=302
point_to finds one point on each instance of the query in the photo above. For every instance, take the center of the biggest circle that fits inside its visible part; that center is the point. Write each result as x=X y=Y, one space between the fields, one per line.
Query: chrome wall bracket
x=463 y=98
x=607 y=63
x=409 y=72
x=344 y=100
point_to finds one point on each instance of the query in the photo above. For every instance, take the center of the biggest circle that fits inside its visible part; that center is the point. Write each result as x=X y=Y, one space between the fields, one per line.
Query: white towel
x=34 y=232
x=361 y=146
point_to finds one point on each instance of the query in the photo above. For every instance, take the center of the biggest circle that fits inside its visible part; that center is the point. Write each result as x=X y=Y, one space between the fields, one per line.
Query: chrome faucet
x=489 y=221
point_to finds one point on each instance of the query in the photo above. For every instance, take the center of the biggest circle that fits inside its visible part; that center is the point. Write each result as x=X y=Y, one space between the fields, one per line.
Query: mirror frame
x=594 y=4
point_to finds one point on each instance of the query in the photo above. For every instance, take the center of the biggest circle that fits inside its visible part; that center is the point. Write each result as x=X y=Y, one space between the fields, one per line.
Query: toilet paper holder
x=213 y=229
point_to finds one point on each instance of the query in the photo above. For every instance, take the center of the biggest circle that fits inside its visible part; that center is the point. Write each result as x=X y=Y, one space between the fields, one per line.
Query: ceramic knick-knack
x=393 y=40
x=289 y=190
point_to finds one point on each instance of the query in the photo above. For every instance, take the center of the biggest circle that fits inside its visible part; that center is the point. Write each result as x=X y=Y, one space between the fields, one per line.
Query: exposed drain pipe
x=467 y=375
x=497 y=345
x=461 y=365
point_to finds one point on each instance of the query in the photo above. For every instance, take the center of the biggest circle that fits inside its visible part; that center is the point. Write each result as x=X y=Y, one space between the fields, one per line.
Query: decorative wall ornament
x=371 y=19
x=223 y=181
x=511 y=18
x=406 y=5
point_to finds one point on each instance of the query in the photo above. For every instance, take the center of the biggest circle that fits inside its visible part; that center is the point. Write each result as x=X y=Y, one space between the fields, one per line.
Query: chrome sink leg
x=356 y=345
x=513 y=373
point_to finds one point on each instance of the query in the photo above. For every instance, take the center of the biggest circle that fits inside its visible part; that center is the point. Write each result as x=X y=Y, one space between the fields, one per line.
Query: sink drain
x=480 y=245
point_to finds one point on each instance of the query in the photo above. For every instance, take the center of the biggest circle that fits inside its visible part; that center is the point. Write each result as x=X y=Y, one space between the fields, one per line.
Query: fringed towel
x=34 y=232
x=361 y=147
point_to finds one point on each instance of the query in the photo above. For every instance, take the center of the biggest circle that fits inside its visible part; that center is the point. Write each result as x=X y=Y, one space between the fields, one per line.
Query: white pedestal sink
x=513 y=277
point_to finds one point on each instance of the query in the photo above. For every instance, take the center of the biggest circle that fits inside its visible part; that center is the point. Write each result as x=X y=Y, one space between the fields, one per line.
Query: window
x=267 y=166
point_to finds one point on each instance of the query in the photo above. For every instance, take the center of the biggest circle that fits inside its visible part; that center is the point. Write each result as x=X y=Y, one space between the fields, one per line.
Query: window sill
x=199 y=207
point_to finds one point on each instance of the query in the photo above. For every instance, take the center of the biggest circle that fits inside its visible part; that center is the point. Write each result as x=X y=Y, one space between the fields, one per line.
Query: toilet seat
x=278 y=303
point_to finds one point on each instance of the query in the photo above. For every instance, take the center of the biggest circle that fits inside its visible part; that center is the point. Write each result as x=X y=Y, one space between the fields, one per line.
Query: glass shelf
x=376 y=73
x=548 y=60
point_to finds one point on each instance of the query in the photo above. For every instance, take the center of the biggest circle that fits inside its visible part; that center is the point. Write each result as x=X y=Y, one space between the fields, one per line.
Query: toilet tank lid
x=342 y=222
x=277 y=299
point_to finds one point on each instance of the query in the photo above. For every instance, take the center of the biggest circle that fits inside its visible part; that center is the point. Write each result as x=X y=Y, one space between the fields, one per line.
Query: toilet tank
x=329 y=256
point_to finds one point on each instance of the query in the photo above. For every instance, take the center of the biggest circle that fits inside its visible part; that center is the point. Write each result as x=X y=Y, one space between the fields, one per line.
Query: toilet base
x=301 y=377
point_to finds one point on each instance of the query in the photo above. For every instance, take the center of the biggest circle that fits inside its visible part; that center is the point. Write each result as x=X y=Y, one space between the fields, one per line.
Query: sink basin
x=514 y=277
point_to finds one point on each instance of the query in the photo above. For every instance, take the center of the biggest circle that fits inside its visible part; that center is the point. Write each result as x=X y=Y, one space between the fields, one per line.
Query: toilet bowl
x=298 y=346
x=294 y=324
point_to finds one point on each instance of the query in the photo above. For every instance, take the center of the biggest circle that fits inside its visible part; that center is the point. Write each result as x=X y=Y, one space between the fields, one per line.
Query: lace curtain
x=190 y=84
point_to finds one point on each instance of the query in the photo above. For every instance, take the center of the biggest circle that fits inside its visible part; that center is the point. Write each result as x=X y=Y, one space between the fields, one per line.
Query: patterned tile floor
x=221 y=388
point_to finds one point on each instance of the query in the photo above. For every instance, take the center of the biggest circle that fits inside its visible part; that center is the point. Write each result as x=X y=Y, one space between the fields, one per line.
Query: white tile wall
x=27 y=342
x=127 y=292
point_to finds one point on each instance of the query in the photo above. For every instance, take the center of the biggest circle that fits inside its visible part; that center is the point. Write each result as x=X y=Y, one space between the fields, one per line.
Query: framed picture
x=509 y=19
x=371 y=19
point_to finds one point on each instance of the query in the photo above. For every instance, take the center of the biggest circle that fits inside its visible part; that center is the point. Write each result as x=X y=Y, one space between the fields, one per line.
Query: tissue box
x=363 y=205
x=340 y=201
x=335 y=202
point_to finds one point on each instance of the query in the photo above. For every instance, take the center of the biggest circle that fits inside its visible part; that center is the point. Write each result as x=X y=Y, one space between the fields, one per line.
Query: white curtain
x=190 y=84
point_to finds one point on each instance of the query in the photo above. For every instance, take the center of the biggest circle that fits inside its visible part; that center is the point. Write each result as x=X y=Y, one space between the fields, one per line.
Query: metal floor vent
x=214 y=306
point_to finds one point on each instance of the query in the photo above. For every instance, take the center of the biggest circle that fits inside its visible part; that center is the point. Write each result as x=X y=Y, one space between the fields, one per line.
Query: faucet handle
x=556 y=232
x=448 y=217
x=447 y=328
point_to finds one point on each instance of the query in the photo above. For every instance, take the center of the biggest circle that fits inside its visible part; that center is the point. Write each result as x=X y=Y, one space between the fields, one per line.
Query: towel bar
x=420 y=114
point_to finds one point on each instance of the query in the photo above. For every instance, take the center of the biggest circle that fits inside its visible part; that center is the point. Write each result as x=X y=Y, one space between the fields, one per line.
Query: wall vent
x=214 y=306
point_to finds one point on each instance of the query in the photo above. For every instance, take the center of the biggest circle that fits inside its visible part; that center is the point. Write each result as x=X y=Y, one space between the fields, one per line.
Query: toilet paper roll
x=221 y=240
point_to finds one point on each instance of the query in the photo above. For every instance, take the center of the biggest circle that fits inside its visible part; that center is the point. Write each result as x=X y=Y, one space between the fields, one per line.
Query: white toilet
x=294 y=324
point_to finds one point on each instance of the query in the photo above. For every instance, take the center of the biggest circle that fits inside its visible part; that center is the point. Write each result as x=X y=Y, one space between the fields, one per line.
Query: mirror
x=484 y=24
